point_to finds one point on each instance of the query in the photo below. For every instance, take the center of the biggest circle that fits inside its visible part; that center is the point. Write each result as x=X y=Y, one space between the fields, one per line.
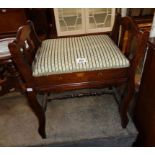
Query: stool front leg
x=125 y=102
x=39 y=112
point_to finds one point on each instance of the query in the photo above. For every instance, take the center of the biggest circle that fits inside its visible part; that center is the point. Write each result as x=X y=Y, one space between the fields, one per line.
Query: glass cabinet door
x=99 y=19
x=73 y=21
x=69 y=21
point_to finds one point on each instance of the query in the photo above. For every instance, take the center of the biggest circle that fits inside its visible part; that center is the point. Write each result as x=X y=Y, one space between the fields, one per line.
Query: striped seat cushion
x=75 y=54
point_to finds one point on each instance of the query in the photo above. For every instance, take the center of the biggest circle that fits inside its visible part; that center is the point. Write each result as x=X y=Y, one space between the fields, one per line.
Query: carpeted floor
x=87 y=121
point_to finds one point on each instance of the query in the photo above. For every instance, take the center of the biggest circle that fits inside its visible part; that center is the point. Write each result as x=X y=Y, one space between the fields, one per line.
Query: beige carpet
x=89 y=120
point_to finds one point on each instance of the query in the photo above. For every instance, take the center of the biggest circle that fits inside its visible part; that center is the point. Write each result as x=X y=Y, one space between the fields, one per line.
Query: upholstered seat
x=87 y=53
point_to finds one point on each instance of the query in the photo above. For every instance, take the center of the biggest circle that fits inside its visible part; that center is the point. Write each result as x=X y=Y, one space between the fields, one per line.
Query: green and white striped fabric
x=75 y=54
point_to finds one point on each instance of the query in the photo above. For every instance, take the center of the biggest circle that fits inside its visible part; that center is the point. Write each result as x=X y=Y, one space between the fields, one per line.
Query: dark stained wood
x=38 y=110
x=80 y=80
x=11 y=20
x=23 y=58
x=115 y=32
x=145 y=106
x=40 y=18
x=144 y=23
x=9 y=77
x=140 y=12
x=51 y=19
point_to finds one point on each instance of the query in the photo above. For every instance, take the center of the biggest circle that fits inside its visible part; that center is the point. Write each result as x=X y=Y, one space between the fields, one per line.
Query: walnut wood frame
x=77 y=80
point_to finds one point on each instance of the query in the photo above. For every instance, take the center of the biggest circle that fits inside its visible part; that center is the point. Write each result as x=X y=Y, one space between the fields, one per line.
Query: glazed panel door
x=69 y=21
x=73 y=21
x=99 y=19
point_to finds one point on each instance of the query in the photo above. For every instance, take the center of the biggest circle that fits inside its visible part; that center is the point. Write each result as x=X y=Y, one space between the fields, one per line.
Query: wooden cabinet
x=10 y=21
x=140 y=12
x=41 y=18
x=74 y=21
x=145 y=107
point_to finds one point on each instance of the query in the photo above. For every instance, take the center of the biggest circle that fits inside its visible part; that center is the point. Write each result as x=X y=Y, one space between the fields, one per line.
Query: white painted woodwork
x=72 y=21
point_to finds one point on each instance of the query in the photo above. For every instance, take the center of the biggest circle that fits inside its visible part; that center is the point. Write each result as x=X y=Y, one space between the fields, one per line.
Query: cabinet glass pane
x=70 y=19
x=99 y=17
